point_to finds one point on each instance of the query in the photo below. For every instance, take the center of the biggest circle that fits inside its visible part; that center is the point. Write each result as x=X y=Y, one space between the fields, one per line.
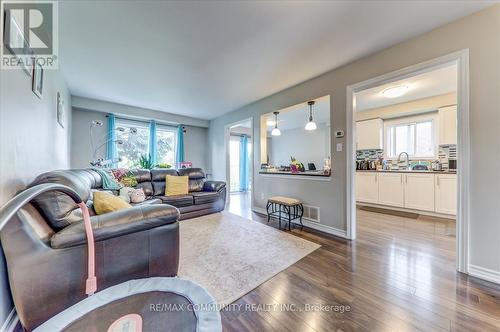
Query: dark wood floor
x=399 y=275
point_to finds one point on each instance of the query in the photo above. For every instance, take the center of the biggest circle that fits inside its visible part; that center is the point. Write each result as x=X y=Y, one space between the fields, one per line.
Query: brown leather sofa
x=45 y=244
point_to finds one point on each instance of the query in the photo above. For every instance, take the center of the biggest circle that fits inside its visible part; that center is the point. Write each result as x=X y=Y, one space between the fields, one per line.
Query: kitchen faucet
x=407 y=159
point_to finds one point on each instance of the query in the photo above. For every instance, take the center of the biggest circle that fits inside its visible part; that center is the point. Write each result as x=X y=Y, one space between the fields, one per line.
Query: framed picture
x=60 y=110
x=15 y=42
x=185 y=164
x=37 y=84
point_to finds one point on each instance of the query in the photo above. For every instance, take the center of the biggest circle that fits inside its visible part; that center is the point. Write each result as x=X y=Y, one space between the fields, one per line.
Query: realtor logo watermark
x=29 y=34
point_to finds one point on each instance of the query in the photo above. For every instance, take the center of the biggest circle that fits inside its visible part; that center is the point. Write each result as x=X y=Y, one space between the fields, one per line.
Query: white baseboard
x=312 y=224
x=483 y=273
x=11 y=322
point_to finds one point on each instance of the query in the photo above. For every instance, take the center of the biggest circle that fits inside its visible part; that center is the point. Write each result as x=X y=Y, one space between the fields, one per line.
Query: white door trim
x=461 y=58
x=228 y=161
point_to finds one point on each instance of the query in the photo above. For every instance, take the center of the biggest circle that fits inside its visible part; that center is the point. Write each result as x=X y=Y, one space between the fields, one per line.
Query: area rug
x=230 y=255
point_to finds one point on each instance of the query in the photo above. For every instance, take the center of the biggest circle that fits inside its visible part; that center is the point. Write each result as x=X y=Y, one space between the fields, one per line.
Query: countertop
x=306 y=173
x=409 y=171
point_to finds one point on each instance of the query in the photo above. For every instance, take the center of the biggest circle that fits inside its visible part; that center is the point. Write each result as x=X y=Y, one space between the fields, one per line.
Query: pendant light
x=311 y=125
x=276 y=131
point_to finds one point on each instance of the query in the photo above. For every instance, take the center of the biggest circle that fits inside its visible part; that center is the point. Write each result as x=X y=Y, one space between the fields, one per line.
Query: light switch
x=339 y=147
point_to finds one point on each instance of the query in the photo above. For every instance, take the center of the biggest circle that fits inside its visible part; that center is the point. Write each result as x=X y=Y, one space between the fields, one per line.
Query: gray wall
x=480 y=33
x=195 y=140
x=32 y=142
x=305 y=146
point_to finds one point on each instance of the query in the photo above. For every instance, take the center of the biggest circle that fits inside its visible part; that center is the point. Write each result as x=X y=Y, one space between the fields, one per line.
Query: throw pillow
x=176 y=185
x=126 y=193
x=137 y=196
x=105 y=202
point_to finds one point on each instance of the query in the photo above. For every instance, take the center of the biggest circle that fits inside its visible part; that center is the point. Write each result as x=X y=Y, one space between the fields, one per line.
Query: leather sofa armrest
x=115 y=224
x=214 y=185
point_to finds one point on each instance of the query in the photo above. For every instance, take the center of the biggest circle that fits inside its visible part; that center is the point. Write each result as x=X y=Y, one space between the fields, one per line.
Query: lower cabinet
x=390 y=189
x=367 y=187
x=416 y=191
x=446 y=193
x=419 y=191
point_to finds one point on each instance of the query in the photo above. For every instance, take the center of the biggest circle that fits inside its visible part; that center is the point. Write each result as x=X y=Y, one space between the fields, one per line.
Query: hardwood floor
x=399 y=275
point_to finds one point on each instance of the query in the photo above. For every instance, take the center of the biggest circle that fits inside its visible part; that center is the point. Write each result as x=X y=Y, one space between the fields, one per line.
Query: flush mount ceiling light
x=311 y=125
x=276 y=131
x=395 y=91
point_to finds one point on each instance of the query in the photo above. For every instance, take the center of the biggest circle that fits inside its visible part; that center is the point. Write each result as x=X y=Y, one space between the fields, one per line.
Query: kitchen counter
x=306 y=173
x=408 y=171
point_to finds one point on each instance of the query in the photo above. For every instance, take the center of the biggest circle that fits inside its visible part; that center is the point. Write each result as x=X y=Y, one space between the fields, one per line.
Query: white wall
x=305 y=146
x=32 y=142
x=194 y=140
x=480 y=33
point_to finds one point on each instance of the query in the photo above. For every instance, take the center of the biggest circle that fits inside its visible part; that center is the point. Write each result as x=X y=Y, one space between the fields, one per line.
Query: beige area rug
x=230 y=255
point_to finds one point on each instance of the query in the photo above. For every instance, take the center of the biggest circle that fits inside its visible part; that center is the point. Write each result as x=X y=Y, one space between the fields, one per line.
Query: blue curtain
x=111 y=152
x=244 y=163
x=179 y=153
x=153 y=148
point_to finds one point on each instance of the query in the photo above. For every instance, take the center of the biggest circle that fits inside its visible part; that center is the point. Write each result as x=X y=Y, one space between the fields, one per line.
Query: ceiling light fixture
x=276 y=131
x=395 y=91
x=311 y=125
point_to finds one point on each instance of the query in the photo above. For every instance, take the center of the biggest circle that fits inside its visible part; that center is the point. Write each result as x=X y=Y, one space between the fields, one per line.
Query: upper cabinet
x=369 y=134
x=448 y=125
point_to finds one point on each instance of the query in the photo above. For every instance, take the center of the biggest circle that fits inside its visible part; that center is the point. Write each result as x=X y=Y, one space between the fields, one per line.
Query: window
x=133 y=142
x=234 y=163
x=134 y=136
x=414 y=138
x=165 y=144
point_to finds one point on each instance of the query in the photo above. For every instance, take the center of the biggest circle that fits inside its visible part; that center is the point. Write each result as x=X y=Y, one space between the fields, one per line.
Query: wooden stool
x=291 y=209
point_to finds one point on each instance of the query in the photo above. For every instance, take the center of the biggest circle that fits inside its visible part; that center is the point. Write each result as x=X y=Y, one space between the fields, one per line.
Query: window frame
x=431 y=117
x=145 y=124
x=167 y=128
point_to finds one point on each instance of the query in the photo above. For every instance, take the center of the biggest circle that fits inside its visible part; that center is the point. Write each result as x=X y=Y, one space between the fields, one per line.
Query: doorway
x=239 y=166
x=403 y=135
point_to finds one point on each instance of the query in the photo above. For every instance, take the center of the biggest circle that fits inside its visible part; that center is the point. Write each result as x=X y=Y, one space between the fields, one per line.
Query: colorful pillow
x=137 y=196
x=105 y=202
x=176 y=185
x=125 y=193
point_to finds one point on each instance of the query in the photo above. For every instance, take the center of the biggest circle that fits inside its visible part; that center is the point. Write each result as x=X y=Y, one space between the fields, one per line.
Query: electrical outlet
x=262 y=196
x=339 y=147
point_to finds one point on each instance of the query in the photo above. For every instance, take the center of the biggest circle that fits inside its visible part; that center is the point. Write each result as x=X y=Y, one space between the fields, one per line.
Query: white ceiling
x=297 y=116
x=206 y=58
x=433 y=83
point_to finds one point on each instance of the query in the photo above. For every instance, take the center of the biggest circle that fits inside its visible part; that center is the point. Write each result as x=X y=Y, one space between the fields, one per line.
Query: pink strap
x=91 y=284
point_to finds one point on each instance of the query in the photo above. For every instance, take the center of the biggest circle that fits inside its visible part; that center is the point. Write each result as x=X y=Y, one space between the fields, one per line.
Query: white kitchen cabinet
x=369 y=134
x=448 y=125
x=446 y=193
x=391 y=189
x=367 y=187
x=419 y=191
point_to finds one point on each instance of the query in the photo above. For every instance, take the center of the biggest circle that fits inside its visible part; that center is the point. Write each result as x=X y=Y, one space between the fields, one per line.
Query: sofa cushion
x=203 y=197
x=158 y=188
x=147 y=187
x=141 y=175
x=177 y=201
x=159 y=174
x=196 y=178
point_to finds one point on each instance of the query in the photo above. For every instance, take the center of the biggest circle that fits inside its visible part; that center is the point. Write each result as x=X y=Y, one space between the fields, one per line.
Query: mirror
x=288 y=137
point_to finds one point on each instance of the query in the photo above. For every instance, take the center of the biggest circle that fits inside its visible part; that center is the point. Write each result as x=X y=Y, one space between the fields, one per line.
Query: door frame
x=227 y=130
x=461 y=59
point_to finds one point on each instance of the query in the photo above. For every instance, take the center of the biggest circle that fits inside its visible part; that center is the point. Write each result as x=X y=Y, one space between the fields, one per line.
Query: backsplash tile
x=369 y=154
